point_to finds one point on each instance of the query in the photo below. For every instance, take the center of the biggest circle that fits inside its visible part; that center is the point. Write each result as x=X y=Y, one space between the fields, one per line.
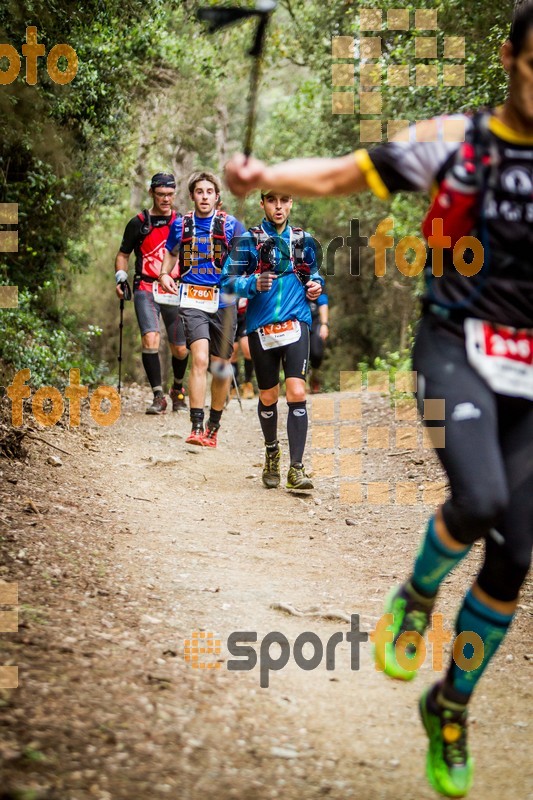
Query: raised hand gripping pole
x=219 y=17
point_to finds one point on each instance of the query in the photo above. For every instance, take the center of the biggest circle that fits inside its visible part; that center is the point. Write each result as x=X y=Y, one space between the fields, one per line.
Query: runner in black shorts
x=271 y=265
x=146 y=234
x=474 y=351
x=294 y=358
x=200 y=241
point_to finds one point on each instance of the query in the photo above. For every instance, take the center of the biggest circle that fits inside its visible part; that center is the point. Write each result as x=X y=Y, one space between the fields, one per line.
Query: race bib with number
x=279 y=334
x=501 y=355
x=205 y=298
x=164 y=298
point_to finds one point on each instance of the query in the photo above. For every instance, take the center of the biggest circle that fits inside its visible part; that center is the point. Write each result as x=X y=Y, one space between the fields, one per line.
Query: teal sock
x=491 y=626
x=433 y=562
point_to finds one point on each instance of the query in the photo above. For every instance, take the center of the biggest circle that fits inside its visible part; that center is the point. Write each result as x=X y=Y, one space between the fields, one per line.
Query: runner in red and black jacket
x=146 y=234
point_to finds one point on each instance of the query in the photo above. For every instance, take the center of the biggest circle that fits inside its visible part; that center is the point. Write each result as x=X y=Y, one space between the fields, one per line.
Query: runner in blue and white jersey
x=200 y=241
x=274 y=266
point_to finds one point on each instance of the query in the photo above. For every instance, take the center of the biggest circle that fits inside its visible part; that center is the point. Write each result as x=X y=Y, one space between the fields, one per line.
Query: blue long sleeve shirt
x=286 y=299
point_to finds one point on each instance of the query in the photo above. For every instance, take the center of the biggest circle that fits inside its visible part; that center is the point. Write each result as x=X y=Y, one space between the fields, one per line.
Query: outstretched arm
x=304 y=177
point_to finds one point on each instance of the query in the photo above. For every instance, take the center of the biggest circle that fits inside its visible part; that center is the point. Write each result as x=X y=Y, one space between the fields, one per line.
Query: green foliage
x=399 y=361
x=48 y=349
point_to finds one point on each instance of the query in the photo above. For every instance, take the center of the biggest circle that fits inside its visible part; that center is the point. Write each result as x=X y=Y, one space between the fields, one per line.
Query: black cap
x=163 y=179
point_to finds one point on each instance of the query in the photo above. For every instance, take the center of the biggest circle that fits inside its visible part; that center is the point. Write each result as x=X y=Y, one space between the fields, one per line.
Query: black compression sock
x=214 y=418
x=179 y=366
x=297 y=424
x=152 y=367
x=197 y=417
x=268 y=417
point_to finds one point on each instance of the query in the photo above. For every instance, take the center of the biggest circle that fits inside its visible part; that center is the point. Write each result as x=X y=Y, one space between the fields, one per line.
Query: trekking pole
x=221 y=17
x=120 y=327
x=217 y=18
x=237 y=393
x=124 y=285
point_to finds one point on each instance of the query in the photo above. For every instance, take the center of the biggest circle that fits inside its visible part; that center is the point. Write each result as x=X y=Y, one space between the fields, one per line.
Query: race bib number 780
x=205 y=298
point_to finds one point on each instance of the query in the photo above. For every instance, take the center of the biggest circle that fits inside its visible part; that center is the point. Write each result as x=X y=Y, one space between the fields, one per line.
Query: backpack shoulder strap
x=300 y=268
x=264 y=245
x=219 y=225
x=298 y=241
x=144 y=230
x=187 y=236
x=220 y=239
x=146 y=226
x=260 y=237
x=187 y=227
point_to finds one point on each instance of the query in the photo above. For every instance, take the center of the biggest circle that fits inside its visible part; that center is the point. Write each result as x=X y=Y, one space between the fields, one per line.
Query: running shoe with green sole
x=408 y=616
x=449 y=767
x=297 y=480
x=271 y=471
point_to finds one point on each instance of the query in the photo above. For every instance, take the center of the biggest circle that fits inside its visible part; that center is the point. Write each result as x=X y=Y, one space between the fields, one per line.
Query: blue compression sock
x=491 y=626
x=433 y=562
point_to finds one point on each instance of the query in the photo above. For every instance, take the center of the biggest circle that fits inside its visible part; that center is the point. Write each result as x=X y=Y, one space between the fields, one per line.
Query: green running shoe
x=409 y=615
x=449 y=767
x=297 y=480
x=271 y=471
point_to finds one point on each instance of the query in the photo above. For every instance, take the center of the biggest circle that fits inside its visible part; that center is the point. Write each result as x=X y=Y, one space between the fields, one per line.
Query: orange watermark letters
x=49 y=396
x=32 y=51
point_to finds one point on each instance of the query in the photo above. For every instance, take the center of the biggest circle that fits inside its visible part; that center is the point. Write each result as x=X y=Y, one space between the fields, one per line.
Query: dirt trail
x=135 y=542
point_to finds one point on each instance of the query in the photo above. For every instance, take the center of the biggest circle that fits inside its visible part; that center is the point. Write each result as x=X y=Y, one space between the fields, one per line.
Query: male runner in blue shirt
x=274 y=266
x=200 y=240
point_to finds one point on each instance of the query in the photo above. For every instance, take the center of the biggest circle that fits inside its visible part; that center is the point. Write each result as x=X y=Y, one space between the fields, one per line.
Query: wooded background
x=155 y=92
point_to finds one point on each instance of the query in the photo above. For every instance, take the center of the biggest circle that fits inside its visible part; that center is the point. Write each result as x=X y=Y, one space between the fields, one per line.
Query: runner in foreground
x=473 y=349
x=273 y=265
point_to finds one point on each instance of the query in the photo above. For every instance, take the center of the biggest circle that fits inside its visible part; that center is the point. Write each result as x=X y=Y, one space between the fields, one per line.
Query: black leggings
x=488 y=457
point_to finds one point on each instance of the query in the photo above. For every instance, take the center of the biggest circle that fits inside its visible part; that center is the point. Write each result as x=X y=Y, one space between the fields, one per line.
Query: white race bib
x=206 y=298
x=164 y=298
x=279 y=334
x=501 y=355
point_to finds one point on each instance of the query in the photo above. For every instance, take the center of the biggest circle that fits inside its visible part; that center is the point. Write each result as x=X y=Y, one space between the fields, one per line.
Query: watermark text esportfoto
x=382 y=241
x=274 y=649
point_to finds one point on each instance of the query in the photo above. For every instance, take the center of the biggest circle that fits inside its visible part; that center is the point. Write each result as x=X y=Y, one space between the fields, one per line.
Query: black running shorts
x=487 y=452
x=293 y=357
x=217 y=328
